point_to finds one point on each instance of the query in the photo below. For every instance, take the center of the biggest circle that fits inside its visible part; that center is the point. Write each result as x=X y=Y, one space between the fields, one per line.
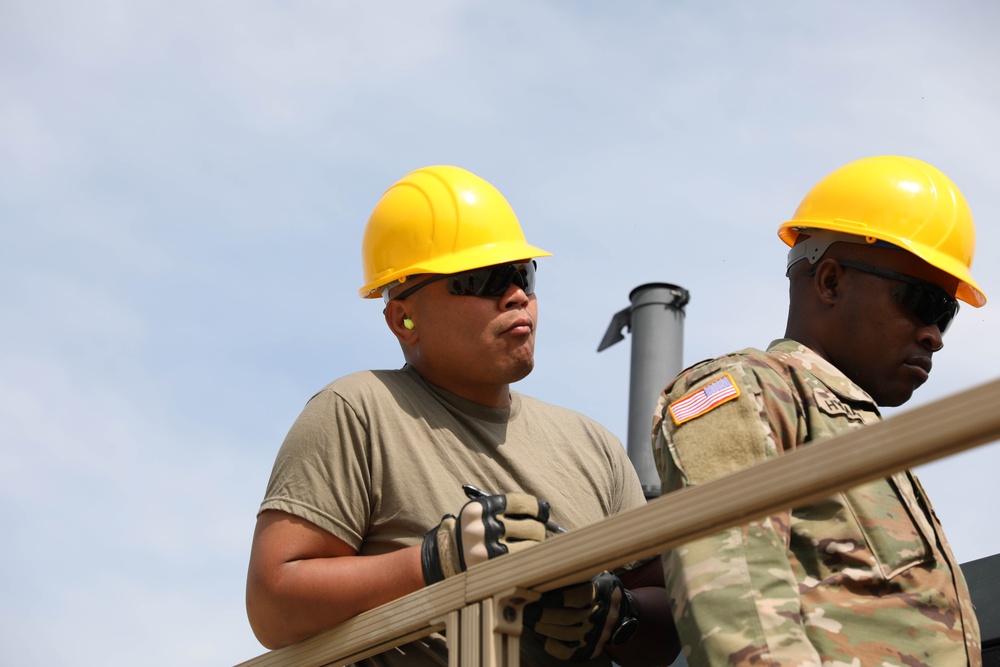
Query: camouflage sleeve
x=734 y=597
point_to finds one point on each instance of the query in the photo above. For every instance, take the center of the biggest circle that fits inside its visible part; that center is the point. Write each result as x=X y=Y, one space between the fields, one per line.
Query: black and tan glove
x=485 y=528
x=576 y=622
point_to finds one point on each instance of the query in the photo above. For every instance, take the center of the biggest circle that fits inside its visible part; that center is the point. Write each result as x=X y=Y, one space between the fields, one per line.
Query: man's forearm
x=301 y=598
x=655 y=641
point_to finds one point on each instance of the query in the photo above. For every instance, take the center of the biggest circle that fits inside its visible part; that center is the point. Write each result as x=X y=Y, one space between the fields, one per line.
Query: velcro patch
x=697 y=403
x=827 y=402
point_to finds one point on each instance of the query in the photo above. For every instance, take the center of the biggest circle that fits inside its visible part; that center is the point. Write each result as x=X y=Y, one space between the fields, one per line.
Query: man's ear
x=401 y=322
x=827 y=281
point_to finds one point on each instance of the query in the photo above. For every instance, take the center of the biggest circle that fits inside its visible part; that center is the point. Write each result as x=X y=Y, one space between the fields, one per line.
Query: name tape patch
x=697 y=403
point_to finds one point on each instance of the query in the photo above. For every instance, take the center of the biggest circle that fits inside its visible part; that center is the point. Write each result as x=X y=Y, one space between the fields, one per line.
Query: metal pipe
x=656 y=321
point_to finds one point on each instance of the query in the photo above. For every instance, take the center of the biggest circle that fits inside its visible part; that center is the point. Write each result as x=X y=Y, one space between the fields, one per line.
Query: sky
x=183 y=190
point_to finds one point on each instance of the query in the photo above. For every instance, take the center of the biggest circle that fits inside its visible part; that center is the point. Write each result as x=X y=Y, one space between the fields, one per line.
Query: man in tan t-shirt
x=358 y=510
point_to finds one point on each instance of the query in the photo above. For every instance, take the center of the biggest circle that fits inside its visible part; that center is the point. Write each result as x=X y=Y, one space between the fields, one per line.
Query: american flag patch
x=697 y=403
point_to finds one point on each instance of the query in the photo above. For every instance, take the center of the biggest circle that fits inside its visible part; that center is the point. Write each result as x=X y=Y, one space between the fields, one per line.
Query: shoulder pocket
x=719 y=433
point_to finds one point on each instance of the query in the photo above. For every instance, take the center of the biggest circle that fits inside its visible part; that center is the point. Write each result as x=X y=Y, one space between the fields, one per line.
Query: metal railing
x=480 y=610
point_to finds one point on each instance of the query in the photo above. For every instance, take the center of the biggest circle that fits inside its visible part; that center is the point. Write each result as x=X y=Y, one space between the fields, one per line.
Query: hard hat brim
x=968 y=291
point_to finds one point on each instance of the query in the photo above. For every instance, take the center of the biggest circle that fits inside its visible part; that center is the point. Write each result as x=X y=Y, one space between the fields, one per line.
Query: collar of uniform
x=470 y=408
x=797 y=354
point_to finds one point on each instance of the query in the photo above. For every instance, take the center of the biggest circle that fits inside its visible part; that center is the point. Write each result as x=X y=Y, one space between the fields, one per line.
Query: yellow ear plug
x=408 y=323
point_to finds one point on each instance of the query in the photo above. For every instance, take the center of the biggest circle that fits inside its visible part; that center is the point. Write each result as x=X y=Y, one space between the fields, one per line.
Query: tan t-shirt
x=378 y=457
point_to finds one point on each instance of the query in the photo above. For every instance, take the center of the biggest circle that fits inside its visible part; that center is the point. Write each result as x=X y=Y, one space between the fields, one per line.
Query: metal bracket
x=502 y=626
x=622 y=319
x=508 y=610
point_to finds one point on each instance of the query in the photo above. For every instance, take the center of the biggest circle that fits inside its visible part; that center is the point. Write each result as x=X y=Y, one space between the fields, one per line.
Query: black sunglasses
x=491 y=281
x=928 y=302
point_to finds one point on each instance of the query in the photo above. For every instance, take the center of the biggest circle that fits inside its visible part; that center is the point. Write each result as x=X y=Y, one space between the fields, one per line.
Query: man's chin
x=896 y=398
x=520 y=370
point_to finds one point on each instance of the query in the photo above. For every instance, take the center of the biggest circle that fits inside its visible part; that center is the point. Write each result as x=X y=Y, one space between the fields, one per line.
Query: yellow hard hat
x=439 y=219
x=897 y=200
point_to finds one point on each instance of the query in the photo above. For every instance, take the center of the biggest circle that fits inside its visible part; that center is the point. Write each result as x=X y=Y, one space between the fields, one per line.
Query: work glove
x=576 y=622
x=485 y=528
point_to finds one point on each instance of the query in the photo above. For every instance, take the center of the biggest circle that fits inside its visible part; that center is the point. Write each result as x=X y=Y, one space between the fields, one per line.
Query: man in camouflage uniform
x=881 y=249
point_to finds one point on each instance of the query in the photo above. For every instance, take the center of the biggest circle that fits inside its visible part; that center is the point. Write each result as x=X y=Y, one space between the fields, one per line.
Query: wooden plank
x=452 y=621
x=492 y=643
x=470 y=632
x=950 y=425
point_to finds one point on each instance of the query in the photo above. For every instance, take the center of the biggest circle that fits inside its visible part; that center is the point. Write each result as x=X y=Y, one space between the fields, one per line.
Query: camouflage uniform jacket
x=862 y=578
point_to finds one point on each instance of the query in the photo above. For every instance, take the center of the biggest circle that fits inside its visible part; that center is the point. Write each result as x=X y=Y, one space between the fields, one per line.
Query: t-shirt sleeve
x=322 y=472
x=734 y=596
x=624 y=490
x=628 y=487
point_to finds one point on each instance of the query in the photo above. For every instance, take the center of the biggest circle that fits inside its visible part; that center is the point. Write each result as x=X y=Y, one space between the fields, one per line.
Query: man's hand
x=577 y=621
x=485 y=528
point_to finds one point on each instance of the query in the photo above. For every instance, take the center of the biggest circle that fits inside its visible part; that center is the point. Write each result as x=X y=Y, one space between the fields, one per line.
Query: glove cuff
x=430 y=560
x=439 y=552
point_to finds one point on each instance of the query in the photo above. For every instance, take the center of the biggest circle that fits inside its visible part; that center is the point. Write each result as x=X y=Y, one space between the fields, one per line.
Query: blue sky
x=183 y=189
